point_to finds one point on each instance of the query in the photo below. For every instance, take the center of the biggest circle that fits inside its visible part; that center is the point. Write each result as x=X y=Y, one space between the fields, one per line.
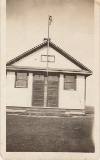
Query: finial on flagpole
x=50 y=19
x=46 y=39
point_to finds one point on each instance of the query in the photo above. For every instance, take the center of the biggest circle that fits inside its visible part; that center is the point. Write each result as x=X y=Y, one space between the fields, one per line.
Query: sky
x=72 y=29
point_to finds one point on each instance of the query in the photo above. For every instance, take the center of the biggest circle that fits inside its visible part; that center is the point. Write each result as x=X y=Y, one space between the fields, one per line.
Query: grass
x=47 y=134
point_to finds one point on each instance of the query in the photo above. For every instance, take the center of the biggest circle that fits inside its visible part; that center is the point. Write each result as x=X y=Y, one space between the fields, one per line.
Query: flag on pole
x=50 y=20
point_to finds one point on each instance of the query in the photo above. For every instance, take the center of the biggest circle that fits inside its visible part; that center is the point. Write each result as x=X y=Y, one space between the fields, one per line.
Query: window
x=21 y=80
x=51 y=58
x=69 y=82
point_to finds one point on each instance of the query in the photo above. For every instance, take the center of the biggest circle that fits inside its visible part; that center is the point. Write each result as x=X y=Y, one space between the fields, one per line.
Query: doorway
x=45 y=90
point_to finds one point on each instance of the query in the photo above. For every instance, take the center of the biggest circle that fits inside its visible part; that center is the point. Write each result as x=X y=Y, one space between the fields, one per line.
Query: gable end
x=52 y=45
x=25 y=54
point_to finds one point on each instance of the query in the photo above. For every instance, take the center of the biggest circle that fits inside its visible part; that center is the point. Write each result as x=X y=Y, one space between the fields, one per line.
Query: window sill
x=69 y=90
x=21 y=87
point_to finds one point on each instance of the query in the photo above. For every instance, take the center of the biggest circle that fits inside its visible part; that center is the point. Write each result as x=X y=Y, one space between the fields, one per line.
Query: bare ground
x=49 y=134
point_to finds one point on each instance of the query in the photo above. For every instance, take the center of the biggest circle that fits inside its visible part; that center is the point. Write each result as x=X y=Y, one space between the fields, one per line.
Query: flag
x=50 y=19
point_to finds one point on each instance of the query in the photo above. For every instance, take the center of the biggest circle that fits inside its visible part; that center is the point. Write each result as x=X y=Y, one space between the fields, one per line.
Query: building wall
x=72 y=99
x=67 y=98
x=18 y=96
x=34 y=60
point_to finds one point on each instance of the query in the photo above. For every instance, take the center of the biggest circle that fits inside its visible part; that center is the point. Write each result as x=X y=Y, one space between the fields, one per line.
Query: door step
x=33 y=111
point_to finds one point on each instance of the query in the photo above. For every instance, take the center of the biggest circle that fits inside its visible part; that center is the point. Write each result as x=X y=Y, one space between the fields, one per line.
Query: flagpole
x=48 y=49
x=45 y=99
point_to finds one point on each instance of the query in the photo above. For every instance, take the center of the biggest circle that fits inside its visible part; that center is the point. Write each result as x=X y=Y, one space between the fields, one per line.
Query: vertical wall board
x=81 y=89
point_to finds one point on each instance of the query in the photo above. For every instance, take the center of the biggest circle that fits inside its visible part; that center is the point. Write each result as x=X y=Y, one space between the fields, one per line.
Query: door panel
x=45 y=95
x=52 y=91
x=38 y=90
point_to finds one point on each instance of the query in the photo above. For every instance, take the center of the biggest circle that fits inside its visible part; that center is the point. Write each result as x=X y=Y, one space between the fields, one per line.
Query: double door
x=45 y=90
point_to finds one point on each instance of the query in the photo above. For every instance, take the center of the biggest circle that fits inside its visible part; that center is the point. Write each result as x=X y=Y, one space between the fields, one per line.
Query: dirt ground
x=49 y=134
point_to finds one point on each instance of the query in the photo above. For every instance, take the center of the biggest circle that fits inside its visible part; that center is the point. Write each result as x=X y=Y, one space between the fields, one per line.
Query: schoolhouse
x=61 y=84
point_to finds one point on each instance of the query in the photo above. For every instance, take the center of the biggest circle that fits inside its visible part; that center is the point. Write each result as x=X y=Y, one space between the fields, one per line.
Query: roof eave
x=26 y=53
x=69 y=57
x=30 y=69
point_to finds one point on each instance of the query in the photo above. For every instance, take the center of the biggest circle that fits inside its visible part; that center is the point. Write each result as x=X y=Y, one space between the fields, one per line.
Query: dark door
x=38 y=90
x=52 y=91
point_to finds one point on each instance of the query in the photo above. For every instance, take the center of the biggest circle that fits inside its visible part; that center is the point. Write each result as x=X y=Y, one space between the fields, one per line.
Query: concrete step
x=46 y=110
x=68 y=114
x=36 y=108
x=42 y=114
x=17 y=108
x=40 y=111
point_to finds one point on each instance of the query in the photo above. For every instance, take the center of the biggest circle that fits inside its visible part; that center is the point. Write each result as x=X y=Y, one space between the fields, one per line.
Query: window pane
x=44 y=58
x=51 y=58
x=70 y=86
x=24 y=83
x=18 y=83
x=69 y=78
x=22 y=76
x=21 y=83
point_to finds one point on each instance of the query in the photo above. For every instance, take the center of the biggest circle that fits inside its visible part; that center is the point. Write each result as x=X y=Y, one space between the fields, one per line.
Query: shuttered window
x=69 y=82
x=21 y=80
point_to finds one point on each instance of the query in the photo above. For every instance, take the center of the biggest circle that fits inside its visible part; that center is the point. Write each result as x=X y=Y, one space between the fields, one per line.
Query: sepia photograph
x=49 y=74
x=50 y=79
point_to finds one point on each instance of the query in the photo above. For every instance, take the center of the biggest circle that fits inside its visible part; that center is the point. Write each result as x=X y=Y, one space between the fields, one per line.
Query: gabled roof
x=52 y=45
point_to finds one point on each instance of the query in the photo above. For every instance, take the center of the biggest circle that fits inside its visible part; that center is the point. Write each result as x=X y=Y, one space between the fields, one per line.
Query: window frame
x=48 y=57
x=21 y=79
x=69 y=82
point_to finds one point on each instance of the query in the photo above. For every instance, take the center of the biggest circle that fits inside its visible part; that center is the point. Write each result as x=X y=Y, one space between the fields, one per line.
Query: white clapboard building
x=60 y=82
